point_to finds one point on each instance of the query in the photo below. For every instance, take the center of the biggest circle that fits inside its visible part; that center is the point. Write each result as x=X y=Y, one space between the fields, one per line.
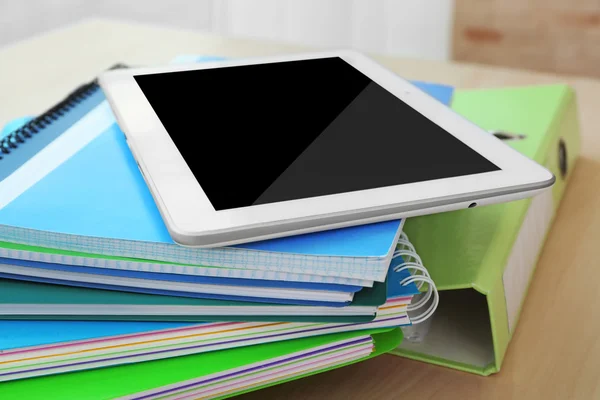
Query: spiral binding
x=18 y=137
x=14 y=139
x=419 y=276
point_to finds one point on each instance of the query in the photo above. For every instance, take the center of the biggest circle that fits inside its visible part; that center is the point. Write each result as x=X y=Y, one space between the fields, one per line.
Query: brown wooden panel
x=547 y=35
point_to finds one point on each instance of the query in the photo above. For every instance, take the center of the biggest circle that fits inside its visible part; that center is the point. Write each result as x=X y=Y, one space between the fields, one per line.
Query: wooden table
x=555 y=352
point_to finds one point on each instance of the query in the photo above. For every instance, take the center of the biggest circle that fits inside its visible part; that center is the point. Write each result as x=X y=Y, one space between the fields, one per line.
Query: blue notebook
x=284 y=294
x=166 y=277
x=95 y=201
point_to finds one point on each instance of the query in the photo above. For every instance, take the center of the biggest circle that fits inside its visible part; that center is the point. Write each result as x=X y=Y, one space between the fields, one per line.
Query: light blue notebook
x=95 y=201
x=161 y=276
x=18 y=334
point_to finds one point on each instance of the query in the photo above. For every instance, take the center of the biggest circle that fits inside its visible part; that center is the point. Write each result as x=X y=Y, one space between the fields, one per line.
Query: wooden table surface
x=555 y=352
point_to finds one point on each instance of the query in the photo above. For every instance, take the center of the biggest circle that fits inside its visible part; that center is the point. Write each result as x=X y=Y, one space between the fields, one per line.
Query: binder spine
x=17 y=138
x=419 y=276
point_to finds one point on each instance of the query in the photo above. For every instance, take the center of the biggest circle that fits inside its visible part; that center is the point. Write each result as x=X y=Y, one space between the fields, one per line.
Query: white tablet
x=243 y=150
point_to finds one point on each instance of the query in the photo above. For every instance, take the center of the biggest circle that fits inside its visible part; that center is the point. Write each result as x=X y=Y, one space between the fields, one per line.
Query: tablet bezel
x=189 y=215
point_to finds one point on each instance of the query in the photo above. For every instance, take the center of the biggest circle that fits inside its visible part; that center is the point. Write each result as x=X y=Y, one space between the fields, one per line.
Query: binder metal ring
x=419 y=275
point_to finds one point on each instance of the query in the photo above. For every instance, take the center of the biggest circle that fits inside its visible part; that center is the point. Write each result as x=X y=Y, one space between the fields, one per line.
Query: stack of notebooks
x=97 y=301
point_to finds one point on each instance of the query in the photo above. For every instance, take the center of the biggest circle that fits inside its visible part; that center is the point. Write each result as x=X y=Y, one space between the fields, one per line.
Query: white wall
x=412 y=28
x=20 y=19
x=417 y=28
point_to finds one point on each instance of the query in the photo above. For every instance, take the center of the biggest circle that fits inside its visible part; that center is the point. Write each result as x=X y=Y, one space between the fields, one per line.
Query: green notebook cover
x=384 y=342
x=23 y=292
x=483 y=259
x=112 y=382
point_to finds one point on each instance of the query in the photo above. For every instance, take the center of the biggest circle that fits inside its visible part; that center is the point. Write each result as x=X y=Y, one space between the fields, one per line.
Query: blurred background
x=548 y=35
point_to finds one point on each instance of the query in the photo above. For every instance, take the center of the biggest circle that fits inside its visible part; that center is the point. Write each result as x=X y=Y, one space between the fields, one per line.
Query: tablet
x=245 y=150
